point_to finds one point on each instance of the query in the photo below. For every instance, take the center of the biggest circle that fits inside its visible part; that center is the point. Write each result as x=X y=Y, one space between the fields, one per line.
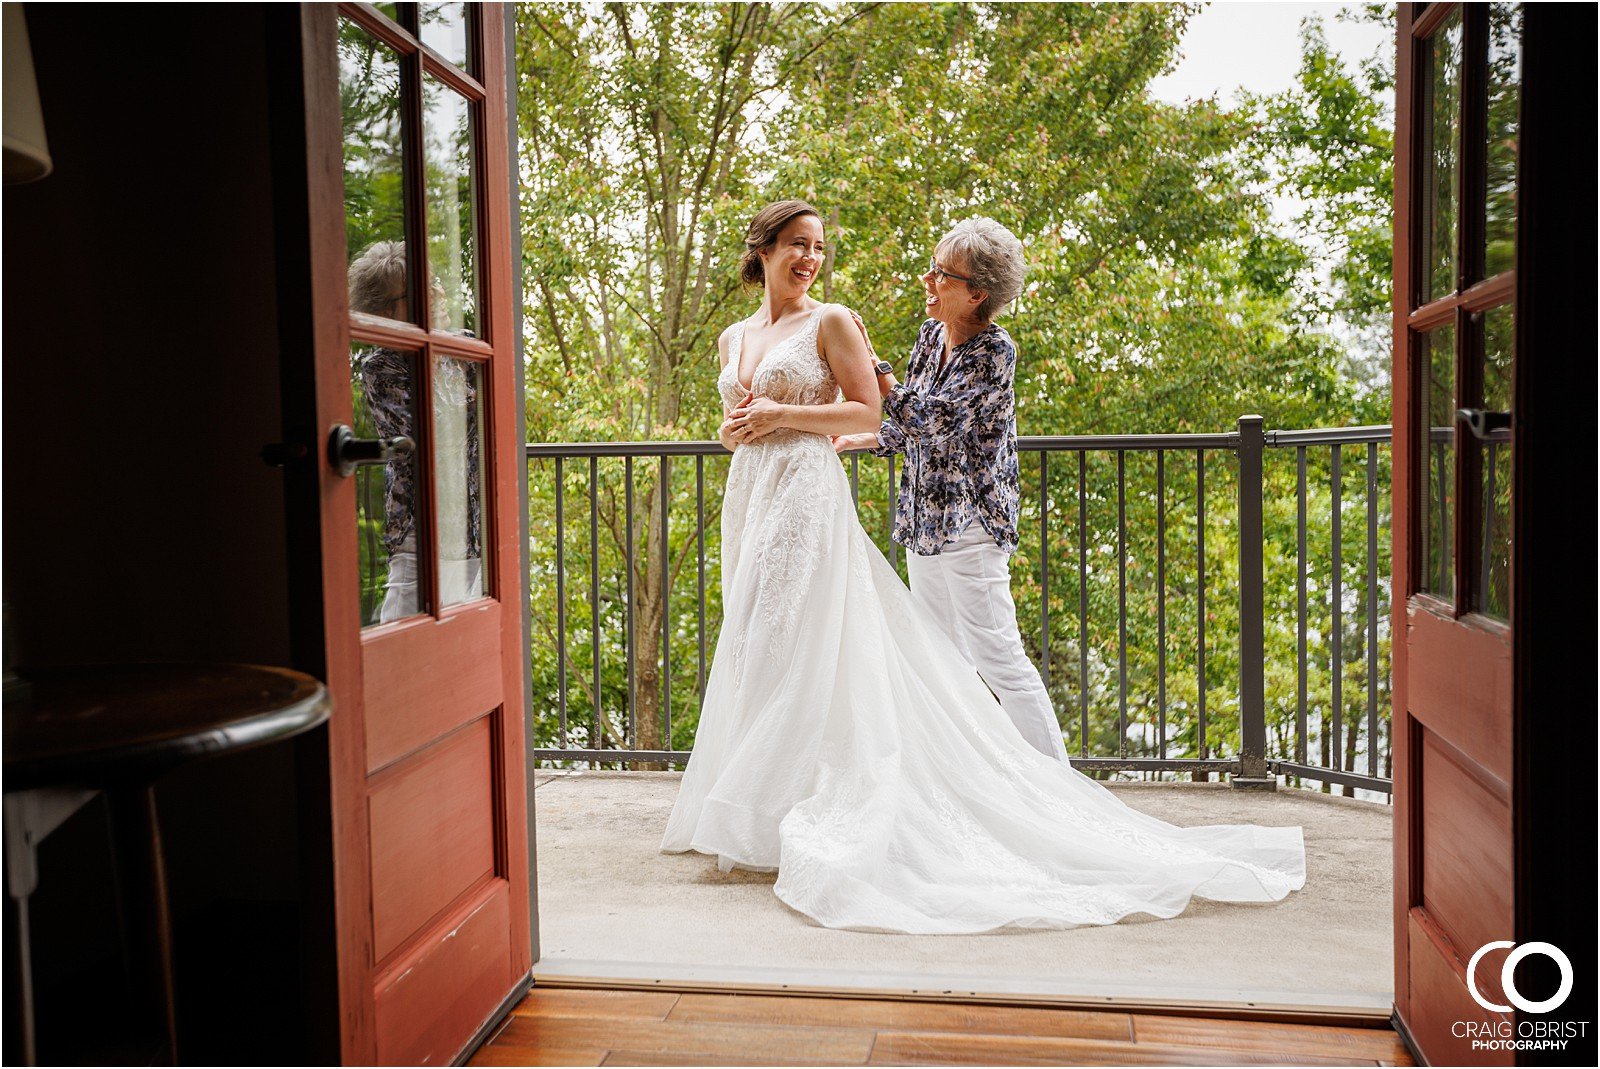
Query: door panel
x=432 y=832
x=1455 y=850
x=1439 y=999
x=1461 y=685
x=430 y=1001
x=1466 y=848
x=426 y=679
x=428 y=779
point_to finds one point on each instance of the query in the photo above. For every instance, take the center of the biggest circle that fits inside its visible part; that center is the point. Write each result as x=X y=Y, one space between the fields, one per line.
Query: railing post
x=1253 y=773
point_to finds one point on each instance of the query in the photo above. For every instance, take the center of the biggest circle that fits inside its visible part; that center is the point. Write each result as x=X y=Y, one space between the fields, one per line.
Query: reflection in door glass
x=374 y=186
x=1442 y=182
x=452 y=228
x=458 y=477
x=1494 y=470
x=1505 y=80
x=444 y=29
x=1437 y=356
x=383 y=394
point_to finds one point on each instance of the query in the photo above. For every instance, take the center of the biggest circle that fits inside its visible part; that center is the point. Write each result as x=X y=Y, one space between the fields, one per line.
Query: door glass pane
x=1437 y=356
x=1505 y=79
x=452 y=228
x=384 y=391
x=374 y=171
x=1494 y=499
x=459 y=477
x=444 y=29
x=1441 y=116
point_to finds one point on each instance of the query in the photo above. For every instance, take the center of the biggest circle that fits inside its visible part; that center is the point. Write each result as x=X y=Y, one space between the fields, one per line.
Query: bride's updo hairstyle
x=763 y=234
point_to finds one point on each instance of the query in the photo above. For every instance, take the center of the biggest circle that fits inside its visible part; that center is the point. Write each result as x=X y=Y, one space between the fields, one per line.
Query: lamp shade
x=27 y=154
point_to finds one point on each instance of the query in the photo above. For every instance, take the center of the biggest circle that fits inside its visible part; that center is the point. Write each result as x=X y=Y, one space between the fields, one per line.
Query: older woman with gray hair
x=954 y=418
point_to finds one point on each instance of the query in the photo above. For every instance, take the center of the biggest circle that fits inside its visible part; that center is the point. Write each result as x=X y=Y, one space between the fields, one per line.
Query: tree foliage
x=1329 y=141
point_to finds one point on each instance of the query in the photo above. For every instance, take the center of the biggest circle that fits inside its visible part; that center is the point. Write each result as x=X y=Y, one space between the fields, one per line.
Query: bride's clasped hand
x=890 y=752
x=753 y=418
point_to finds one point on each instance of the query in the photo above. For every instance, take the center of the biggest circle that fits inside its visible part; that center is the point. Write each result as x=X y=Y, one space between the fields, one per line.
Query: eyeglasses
x=940 y=274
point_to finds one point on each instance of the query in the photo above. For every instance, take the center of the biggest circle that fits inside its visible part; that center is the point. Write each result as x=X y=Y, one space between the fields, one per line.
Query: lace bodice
x=793 y=373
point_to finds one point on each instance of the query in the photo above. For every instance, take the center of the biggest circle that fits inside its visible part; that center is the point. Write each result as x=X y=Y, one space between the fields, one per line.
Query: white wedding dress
x=844 y=742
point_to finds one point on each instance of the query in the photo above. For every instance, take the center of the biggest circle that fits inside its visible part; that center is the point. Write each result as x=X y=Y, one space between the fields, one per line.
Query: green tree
x=1329 y=142
x=644 y=128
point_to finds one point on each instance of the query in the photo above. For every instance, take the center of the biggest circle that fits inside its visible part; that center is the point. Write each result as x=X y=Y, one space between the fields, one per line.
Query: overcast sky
x=1257 y=47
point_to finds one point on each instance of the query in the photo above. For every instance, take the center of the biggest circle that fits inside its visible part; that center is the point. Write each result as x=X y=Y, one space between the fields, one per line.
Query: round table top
x=125 y=724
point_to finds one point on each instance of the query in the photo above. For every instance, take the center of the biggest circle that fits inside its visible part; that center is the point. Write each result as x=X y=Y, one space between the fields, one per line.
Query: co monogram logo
x=1508 y=979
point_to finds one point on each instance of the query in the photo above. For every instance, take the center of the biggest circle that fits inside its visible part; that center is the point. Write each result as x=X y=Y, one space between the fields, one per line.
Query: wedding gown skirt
x=845 y=743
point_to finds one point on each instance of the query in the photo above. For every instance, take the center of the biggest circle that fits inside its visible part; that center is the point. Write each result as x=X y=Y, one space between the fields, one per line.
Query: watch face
x=884 y=367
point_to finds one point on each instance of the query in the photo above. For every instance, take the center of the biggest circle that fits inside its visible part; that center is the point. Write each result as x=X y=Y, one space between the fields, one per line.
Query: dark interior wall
x=140 y=347
x=141 y=379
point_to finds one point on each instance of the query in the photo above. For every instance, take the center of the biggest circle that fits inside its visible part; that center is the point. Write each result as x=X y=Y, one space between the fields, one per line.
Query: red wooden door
x=411 y=253
x=1459 y=75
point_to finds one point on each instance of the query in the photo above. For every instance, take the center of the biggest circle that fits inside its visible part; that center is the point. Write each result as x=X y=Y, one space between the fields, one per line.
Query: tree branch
x=533 y=17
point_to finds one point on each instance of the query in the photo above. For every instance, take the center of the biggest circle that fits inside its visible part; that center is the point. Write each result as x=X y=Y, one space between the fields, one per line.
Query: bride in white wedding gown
x=844 y=741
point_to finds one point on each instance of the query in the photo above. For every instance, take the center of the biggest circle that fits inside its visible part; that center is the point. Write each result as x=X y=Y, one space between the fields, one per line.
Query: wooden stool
x=77 y=731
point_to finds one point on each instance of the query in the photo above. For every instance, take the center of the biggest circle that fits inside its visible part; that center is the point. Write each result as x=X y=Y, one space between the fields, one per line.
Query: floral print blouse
x=387 y=385
x=958 y=430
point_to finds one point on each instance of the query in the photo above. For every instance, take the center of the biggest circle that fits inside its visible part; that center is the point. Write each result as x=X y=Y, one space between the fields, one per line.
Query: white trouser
x=459 y=580
x=966 y=590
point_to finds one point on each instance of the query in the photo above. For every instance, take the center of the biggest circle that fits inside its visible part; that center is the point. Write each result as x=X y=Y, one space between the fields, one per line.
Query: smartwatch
x=883 y=367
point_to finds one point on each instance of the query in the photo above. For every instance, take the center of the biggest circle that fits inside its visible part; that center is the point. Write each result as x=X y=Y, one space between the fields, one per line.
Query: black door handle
x=346 y=452
x=1483 y=424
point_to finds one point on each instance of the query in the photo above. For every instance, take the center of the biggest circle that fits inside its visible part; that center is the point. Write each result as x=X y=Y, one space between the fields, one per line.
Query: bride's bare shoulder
x=839 y=325
x=837 y=314
x=725 y=342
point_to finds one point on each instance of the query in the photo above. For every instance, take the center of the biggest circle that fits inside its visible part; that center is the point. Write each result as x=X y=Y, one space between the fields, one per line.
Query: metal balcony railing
x=1261 y=541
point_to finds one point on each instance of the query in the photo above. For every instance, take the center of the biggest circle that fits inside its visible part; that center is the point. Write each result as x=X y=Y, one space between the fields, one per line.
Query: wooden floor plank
x=1368 y=1044
x=945 y=1048
x=656 y=1057
x=758 y=1044
x=498 y=1053
x=578 y=1002
x=880 y=1014
x=594 y=1026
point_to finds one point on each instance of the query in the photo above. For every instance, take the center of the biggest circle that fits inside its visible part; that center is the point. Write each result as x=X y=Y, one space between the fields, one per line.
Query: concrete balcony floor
x=612 y=908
